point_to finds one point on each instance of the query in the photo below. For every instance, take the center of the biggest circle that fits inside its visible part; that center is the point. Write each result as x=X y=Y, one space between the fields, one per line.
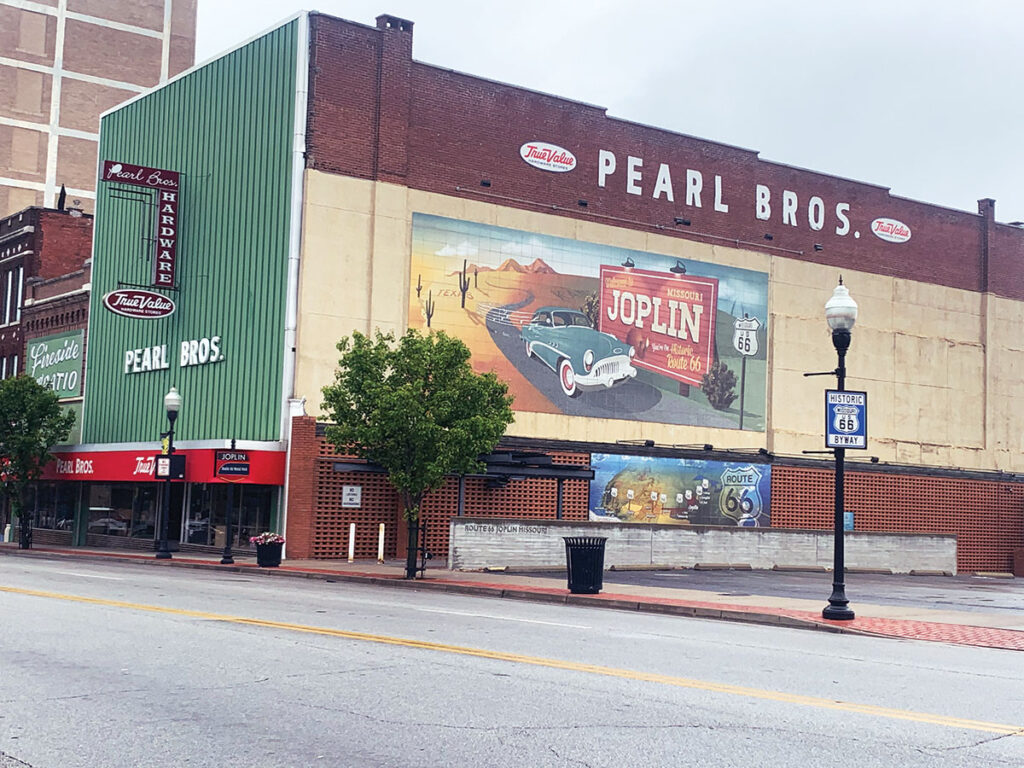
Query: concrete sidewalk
x=1003 y=630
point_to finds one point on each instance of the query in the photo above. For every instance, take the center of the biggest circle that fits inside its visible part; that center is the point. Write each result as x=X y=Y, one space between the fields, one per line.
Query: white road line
x=501 y=618
x=90 y=575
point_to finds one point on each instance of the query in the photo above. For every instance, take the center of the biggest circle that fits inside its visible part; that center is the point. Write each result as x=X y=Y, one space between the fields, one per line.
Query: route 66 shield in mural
x=740 y=499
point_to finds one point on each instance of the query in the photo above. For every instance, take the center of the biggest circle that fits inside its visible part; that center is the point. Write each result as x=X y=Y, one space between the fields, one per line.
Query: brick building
x=35 y=245
x=61 y=65
x=652 y=299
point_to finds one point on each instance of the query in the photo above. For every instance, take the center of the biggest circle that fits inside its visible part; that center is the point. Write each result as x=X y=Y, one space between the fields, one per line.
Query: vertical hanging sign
x=166 y=186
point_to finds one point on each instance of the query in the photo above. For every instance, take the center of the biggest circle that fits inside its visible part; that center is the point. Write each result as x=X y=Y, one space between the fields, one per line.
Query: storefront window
x=52 y=505
x=144 y=512
x=208 y=509
x=122 y=509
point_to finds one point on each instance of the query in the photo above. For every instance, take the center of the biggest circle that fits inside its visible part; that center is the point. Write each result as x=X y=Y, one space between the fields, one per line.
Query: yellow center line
x=515 y=658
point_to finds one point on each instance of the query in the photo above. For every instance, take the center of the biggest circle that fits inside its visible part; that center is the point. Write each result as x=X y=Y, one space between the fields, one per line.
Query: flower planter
x=268 y=555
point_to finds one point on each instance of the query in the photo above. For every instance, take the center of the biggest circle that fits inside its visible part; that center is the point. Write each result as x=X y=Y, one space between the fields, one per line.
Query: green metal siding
x=227 y=127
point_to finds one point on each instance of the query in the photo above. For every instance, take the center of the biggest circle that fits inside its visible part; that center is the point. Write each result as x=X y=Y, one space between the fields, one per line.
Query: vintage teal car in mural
x=584 y=358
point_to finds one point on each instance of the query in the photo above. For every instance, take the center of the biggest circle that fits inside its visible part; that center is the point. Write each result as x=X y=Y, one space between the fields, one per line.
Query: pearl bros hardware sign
x=167 y=186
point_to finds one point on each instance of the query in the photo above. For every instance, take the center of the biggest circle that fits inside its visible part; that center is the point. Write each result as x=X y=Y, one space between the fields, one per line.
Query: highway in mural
x=592 y=330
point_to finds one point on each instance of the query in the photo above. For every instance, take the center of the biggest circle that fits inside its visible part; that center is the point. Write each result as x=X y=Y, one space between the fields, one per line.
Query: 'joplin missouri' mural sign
x=594 y=330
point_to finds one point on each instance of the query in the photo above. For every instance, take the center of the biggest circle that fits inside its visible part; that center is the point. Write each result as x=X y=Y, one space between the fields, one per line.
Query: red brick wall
x=64 y=244
x=303 y=450
x=461 y=129
x=986 y=516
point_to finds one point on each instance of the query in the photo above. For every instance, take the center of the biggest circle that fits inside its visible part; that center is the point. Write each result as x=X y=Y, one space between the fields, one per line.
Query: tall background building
x=62 y=63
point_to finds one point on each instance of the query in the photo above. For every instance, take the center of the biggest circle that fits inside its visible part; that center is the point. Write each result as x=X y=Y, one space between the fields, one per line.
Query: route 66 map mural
x=643 y=489
x=593 y=330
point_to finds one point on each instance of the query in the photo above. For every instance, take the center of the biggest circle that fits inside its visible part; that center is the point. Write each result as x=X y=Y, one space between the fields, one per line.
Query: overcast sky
x=925 y=97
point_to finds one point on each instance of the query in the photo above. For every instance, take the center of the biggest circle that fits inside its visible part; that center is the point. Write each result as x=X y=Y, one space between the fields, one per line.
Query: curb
x=551 y=596
x=618 y=602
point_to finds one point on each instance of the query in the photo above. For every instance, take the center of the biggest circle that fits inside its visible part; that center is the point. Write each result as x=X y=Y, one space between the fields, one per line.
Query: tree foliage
x=415 y=407
x=31 y=422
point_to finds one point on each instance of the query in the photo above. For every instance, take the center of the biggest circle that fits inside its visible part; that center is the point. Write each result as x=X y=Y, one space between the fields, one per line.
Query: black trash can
x=584 y=562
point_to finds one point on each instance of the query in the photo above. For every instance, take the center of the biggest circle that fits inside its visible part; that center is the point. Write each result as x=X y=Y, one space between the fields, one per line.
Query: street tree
x=31 y=422
x=415 y=407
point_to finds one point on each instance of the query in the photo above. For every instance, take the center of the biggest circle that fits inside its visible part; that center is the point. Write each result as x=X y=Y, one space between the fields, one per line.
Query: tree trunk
x=24 y=526
x=412 y=514
x=411 y=555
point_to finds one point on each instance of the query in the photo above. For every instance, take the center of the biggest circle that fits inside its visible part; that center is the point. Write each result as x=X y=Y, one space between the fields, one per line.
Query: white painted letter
x=664 y=183
x=720 y=207
x=789 y=207
x=694 y=184
x=844 y=223
x=605 y=166
x=633 y=175
x=816 y=213
x=764 y=210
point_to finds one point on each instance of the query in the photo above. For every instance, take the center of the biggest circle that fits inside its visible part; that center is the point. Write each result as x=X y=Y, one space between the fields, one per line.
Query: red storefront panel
x=265 y=467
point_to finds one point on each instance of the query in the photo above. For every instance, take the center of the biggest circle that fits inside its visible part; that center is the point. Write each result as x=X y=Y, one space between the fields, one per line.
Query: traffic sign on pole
x=846 y=419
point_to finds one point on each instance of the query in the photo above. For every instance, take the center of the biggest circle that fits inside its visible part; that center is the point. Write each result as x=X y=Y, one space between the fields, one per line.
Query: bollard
x=351 y=542
x=380 y=544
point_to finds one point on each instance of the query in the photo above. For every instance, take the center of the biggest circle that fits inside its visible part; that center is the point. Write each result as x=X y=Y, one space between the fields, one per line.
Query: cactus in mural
x=719 y=386
x=476 y=273
x=591 y=307
x=419 y=285
x=428 y=308
x=463 y=283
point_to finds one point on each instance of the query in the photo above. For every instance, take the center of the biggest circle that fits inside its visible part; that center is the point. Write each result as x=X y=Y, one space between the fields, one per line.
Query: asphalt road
x=963 y=593
x=115 y=665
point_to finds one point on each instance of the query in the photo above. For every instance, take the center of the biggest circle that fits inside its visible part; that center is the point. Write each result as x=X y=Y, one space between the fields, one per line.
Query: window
x=5 y=315
x=208 y=507
x=21 y=286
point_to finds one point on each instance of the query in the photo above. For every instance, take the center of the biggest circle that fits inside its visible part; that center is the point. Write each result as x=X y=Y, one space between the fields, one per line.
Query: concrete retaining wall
x=478 y=543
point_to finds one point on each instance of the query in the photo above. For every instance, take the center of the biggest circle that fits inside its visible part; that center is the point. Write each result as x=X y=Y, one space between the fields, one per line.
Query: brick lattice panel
x=527 y=499
x=530 y=499
x=986 y=516
x=331 y=521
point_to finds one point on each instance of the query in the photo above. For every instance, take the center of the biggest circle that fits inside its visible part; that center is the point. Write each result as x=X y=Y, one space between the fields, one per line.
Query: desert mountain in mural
x=536 y=267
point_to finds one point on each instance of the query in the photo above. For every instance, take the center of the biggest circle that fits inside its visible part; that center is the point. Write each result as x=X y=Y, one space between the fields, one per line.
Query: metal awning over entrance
x=501 y=468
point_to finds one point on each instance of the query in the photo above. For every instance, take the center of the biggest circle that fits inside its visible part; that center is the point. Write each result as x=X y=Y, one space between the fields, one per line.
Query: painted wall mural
x=594 y=330
x=644 y=489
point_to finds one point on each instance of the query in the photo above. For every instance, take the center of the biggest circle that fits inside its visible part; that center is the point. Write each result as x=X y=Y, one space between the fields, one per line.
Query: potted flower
x=268 y=549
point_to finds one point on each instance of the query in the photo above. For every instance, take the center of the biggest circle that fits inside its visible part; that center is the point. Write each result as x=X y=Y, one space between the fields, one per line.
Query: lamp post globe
x=841 y=314
x=841 y=309
x=172 y=404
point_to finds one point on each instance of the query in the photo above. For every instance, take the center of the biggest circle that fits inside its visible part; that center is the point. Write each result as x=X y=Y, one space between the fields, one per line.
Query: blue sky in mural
x=739 y=290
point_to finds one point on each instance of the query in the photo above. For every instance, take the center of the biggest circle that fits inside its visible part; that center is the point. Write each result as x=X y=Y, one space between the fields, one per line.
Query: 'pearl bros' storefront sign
x=56 y=362
x=167 y=187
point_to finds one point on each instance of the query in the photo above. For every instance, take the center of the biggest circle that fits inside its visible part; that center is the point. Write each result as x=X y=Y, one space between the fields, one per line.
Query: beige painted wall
x=919 y=350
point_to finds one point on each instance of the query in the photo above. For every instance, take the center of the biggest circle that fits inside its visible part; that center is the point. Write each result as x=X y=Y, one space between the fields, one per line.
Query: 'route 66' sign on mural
x=744 y=335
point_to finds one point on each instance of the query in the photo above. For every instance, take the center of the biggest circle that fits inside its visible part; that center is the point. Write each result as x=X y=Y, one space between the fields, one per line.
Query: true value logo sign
x=166 y=186
x=132 y=302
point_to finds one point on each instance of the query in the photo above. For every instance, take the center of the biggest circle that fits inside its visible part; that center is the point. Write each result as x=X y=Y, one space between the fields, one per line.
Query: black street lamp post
x=841 y=314
x=227 y=559
x=172 y=404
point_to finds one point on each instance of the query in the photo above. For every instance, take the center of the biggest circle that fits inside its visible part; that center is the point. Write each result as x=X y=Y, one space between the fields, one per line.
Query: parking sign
x=846 y=419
